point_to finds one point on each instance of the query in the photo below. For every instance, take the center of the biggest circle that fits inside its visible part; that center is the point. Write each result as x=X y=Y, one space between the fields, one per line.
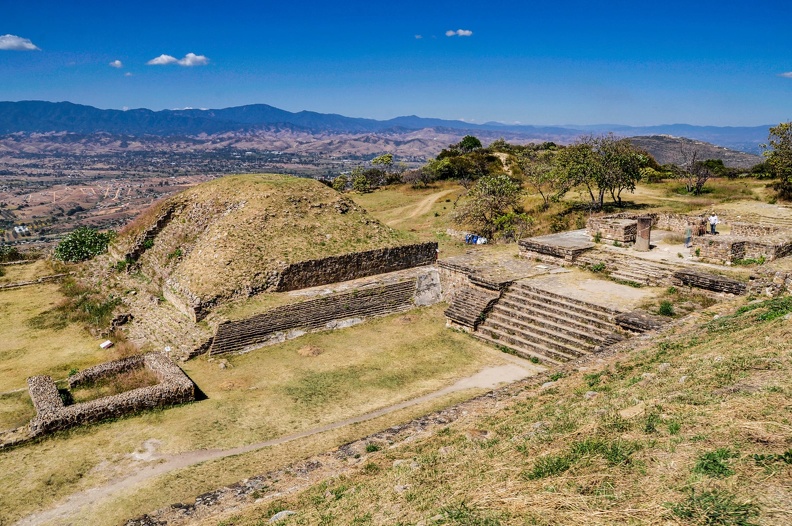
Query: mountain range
x=44 y=117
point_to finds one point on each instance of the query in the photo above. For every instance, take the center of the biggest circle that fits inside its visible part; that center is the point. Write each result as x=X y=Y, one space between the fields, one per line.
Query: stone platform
x=562 y=248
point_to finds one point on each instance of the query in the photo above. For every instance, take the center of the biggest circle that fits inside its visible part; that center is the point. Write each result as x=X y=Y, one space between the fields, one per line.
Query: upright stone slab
x=644 y=231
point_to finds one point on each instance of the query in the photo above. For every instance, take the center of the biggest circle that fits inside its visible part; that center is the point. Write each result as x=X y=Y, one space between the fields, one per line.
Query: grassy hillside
x=233 y=233
x=691 y=428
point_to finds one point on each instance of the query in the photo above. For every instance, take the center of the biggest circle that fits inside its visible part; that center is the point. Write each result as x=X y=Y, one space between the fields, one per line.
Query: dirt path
x=156 y=464
x=422 y=207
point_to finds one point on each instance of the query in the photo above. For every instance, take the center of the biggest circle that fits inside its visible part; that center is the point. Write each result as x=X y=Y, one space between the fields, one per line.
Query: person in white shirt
x=713 y=220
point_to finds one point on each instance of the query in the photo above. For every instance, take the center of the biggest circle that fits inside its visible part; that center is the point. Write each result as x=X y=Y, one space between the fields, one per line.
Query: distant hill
x=44 y=117
x=667 y=149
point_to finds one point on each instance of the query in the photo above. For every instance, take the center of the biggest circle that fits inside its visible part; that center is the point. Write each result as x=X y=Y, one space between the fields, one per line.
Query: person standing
x=713 y=220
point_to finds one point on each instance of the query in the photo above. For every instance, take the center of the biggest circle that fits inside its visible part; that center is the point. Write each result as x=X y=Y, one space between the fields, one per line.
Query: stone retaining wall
x=328 y=312
x=52 y=415
x=706 y=281
x=355 y=265
x=136 y=249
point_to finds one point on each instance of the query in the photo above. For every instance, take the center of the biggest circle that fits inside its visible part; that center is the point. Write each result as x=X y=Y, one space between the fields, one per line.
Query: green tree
x=468 y=144
x=779 y=158
x=491 y=197
x=360 y=183
x=83 y=243
x=340 y=183
x=601 y=165
x=692 y=169
x=538 y=173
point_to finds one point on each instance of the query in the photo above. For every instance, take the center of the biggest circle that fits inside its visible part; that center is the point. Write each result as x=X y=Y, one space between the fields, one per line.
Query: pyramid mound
x=239 y=235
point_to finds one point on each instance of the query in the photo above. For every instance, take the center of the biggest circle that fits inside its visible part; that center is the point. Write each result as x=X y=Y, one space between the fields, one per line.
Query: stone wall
x=328 y=312
x=672 y=222
x=311 y=273
x=725 y=249
x=105 y=370
x=52 y=415
x=138 y=244
x=612 y=229
x=752 y=229
x=453 y=278
x=707 y=281
x=355 y=265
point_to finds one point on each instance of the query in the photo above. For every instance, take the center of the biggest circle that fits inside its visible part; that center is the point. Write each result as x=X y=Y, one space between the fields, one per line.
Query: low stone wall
x=105 y=370
x=52 y=415
x=640 y=321
x=752 y=229
x=453 y=278
x=37 y=281
x=355 y=265
x=723 y=249
x=611 y=229
x=706 y=281
x=672 y=222
x=328 y=312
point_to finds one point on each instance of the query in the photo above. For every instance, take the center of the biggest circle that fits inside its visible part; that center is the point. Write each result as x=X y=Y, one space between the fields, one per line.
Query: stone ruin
x=52 y=414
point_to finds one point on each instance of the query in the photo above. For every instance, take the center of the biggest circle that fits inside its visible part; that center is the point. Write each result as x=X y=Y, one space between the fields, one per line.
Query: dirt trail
x=156 y=464
x=422 y=207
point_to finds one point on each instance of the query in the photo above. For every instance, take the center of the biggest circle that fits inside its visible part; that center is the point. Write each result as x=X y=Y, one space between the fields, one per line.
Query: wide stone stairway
x=538 y=324
x=631 y=269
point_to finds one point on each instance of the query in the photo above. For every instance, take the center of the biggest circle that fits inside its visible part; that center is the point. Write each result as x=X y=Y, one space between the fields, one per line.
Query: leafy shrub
x=83 y=243
x=666 y=308
x=597 y=267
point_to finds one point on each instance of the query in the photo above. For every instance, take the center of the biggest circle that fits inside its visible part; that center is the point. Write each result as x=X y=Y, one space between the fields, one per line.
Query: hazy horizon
x=706 y=63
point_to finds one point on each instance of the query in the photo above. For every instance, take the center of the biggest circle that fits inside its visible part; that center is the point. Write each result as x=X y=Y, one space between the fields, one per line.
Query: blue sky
x=627 y=62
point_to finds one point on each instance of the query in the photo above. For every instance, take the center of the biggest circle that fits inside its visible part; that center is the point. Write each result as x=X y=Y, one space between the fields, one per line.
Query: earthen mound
x=240 y=235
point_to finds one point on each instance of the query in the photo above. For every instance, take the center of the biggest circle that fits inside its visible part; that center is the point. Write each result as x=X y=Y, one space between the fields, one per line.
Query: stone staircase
x=325 y=312
x=636 y=270
x=158 y=324
x=470 y=305
x=538 y=324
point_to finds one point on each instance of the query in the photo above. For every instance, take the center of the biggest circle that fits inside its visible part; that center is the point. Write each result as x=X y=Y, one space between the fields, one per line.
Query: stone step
x=624 y=275
x=534 y=335
x=533 y=348
x=565 y=336
x=552 y=297
x=469 y=306
x=552 y=320
x=559 y=310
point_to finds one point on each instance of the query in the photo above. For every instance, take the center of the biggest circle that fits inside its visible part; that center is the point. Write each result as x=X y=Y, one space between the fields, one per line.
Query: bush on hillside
x=83 y=243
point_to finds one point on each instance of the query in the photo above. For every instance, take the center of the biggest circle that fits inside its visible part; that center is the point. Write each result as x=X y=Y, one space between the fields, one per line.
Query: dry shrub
x=122 y=347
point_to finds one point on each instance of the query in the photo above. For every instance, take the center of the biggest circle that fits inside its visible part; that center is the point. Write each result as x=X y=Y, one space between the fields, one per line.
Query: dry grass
x=261 y=395
x=120 y=383
x=29 y=349
x=25 y=271
x=635 y=439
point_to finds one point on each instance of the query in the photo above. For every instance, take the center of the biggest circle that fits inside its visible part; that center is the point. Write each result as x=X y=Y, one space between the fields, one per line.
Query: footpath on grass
x=157 y=464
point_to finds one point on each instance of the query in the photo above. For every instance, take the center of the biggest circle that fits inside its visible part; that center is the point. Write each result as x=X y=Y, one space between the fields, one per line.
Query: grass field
x=691 y=428
x=301 y=384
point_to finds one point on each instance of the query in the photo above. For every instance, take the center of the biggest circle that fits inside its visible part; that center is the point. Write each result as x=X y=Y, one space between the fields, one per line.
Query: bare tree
x=692 y=169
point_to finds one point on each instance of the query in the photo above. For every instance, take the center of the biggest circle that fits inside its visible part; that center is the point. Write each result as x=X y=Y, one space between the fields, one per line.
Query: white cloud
x=162 y=60
x=189 y=60
x=15 y=43
x=127 y=74
x=116 y=64
x=418 y=37
x=787 y=75
x=459 y=33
